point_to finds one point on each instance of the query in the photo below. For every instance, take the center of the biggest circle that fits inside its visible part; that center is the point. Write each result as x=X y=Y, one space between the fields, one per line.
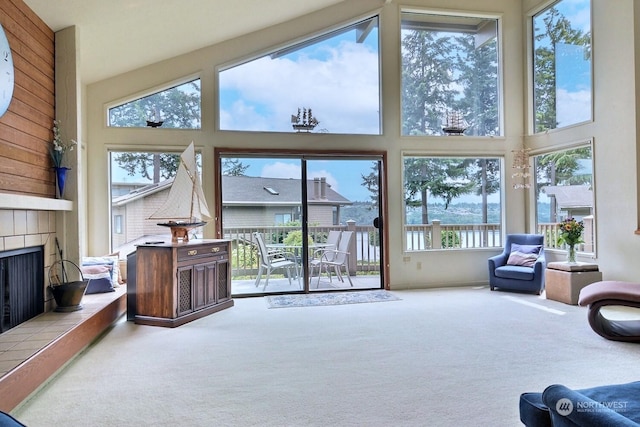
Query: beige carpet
x=444 y=357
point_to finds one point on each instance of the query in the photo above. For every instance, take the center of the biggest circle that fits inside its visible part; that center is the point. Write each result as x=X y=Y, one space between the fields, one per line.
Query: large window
x=562 y=65
x=450 y=75
x=564 y=190
x=177 y=107
x=331 y=81
x=452 y=202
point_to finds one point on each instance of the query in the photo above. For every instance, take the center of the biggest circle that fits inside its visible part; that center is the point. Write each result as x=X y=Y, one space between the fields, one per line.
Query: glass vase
x=571 y=254
x=61 y=179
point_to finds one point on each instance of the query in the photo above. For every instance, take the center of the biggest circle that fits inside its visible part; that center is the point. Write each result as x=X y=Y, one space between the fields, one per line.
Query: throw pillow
x=111 y=261
x=523 y=255
x=99 y=277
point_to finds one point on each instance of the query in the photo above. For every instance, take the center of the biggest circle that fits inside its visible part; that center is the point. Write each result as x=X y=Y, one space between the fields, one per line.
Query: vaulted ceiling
x=116 y=36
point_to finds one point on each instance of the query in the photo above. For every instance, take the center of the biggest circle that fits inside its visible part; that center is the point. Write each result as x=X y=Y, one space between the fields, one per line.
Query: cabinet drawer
x=196 y=252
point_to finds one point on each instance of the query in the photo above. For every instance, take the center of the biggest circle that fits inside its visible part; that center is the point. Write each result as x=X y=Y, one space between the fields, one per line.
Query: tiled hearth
x=33 y=351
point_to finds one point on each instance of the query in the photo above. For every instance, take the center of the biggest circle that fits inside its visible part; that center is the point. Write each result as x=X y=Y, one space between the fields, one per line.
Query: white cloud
x=342 y=90
x=281 y=170
x=289 y=170
x=573 y=107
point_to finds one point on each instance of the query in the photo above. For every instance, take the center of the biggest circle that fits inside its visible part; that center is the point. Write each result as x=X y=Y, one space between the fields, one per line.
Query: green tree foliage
x=371 y=183
x=444 y=72
x=233 y=167
x=553 y=29
x=487 y=173
x=439 y=177
x=426 y=82
x=152 y=166
x=178 y=107
x=479 y=80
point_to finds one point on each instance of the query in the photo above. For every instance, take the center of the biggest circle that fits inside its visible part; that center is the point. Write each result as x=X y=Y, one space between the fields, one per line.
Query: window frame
x=292 y=45
x=530 y=71
x=500 y=84
x=533 y=196
x=498 y=234
x=150 y=92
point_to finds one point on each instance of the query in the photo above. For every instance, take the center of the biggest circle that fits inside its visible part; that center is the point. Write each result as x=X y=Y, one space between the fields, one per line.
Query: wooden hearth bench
x=100 y=311
x=612 y=293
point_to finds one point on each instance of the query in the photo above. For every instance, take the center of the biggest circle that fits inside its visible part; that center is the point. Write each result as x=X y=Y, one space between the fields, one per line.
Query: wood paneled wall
x=25 y=129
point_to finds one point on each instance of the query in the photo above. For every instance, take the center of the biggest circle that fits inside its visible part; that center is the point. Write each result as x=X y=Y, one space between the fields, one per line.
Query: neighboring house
x=130 y=211
x=254 y=201
x=569 y=201
x=246 y=202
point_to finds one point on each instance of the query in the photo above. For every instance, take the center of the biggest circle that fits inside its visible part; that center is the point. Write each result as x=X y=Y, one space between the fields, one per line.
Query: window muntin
x=452 y=203
x=562 y=80
x=177 y=107
x=336 y=75
x=564 y=189
x=450 y=74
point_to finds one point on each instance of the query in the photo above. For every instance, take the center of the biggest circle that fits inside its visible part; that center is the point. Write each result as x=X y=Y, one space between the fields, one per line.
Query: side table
x=563 y=281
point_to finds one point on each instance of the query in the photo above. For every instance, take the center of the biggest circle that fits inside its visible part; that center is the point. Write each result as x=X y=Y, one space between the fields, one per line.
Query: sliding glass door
x=301 y=223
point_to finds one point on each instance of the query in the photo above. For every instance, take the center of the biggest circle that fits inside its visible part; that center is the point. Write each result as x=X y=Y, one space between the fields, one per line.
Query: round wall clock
x=6 y=73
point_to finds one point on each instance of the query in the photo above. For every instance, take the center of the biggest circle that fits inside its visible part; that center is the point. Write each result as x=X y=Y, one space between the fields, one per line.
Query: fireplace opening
x=21 y=285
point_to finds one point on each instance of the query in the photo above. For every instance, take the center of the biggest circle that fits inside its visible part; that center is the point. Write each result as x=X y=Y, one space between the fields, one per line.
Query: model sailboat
x=185 y=207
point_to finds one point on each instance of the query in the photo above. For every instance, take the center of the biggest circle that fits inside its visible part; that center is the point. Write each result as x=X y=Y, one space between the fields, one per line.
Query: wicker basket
x=68 y=294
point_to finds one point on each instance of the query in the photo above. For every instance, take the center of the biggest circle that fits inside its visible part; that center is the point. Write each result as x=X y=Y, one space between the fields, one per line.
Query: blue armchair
x=518 y=277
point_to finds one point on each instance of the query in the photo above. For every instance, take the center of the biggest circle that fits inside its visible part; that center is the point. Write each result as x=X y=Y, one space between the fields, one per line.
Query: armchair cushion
x=524 y=255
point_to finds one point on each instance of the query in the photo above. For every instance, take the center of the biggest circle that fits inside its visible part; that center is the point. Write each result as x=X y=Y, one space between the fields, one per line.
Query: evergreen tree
x=426 y=81
x=438 y=177
x=233 y=167
x=178 y=107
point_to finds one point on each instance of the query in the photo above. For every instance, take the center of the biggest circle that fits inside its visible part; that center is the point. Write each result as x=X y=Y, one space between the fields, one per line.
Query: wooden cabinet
x=176 y=283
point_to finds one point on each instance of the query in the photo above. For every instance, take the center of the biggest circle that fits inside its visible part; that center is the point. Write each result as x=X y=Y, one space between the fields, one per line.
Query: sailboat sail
x=186 y=201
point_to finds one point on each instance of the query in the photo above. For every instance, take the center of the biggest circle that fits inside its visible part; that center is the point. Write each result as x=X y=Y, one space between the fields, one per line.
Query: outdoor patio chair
x=332 y=243
x=335 y=259
x=275 y=259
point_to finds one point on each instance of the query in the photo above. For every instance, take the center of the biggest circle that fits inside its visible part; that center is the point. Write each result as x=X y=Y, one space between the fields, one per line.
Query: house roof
x=571 y=196
x=142 y=192
x=251 y=191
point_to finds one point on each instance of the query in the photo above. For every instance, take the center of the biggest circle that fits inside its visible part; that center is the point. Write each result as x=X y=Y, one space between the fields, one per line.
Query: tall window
x=562 y=65
x=564 y=190
x=452 y=203
x=332 y=79
x=450 y=75
x=177 y=107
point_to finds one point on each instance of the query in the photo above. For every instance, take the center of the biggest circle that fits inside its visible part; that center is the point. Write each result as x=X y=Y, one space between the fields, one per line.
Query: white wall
x=616 y=204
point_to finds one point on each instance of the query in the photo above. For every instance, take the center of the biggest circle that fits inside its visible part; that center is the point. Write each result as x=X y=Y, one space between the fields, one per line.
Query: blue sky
x=337 y=78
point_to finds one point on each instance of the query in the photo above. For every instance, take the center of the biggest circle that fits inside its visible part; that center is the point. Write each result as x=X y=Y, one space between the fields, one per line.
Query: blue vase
x=61 y=179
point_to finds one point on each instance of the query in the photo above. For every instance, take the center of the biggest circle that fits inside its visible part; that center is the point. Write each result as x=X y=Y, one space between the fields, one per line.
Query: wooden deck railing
x=367 y=247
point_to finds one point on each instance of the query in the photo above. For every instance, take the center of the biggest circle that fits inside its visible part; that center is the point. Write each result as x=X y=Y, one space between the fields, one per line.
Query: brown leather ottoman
x=609 y=292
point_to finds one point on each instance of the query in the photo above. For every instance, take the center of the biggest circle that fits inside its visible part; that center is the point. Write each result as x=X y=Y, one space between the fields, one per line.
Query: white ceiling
x=116 y=36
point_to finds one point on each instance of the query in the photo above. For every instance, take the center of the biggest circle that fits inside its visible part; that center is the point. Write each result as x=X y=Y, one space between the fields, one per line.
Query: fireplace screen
x=21 y=285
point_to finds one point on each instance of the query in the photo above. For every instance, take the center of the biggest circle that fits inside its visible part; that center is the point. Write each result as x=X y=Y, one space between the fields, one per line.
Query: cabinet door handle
x=192 y=252
x=215 y=249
